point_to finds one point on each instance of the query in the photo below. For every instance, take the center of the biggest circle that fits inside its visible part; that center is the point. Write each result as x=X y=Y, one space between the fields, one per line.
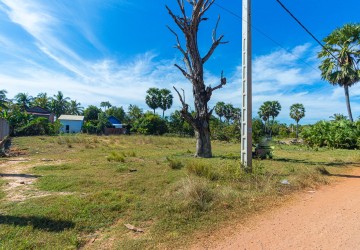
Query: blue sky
x=114 y=50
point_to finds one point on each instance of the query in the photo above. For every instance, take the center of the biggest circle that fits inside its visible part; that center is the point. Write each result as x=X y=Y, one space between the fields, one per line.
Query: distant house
x=116 y=127
x=116 y=123
x=40 y=112
x=71 y=123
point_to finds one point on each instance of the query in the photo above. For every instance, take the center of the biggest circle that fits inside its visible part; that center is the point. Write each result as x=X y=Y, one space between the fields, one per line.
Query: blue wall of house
x=74 y=126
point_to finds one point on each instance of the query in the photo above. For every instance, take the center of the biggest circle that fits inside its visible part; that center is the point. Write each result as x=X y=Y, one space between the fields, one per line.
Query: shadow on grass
x=20 y=175
x=346 y=176
x=328 y=164
x=39 y=223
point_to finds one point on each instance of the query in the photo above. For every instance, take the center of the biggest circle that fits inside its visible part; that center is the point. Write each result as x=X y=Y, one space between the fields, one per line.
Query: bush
x=150 y=124
x=39 y=126
x=335 y=134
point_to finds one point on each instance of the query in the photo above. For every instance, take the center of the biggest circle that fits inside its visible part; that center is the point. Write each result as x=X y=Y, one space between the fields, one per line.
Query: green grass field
x=96 y=184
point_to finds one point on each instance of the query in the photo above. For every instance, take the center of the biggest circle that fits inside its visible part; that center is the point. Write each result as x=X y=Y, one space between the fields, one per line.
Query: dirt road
x=328 y=218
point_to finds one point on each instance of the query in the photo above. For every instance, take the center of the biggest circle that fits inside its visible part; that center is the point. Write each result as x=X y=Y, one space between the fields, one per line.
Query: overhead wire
x=266 y=36
x=306 y=29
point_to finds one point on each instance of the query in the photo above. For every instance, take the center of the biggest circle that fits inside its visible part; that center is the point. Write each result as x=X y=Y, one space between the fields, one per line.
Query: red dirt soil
x=328 y=218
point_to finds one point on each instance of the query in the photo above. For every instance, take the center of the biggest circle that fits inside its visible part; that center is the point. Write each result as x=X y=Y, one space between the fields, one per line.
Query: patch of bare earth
x=19 y=185
x=327 y=218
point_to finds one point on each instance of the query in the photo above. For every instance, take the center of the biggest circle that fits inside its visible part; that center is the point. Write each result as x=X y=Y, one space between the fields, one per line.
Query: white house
x=71 y=123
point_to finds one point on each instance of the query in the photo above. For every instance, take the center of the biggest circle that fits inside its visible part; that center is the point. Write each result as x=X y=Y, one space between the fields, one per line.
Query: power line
x=303 y=26
x=265 y=35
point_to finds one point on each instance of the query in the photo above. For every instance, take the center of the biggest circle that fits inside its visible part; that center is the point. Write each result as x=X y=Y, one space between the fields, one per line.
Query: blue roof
x=114 y=120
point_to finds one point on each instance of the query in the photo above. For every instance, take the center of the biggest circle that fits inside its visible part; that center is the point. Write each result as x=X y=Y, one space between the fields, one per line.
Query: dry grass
x=151 y=182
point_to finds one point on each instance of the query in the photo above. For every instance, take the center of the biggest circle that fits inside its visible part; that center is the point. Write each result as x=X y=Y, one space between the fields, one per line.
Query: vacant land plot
x=80 y=191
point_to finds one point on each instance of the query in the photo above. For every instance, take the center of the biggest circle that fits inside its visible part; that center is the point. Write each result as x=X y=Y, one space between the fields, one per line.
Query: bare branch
x=215 y=29
x=185 y=53
x=209 y=90
x=180 y=23
x=206 y=5
x=212 y=49
x=184 y=111
x=216 y=42
x=187 y=75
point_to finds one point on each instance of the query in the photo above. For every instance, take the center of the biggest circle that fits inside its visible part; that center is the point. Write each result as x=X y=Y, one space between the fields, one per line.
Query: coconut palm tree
x=59 y=104
x=166 y=100
x=42 y=100
x=341 y=58
x=75 y=108
x=23 y=100
x=297 y=111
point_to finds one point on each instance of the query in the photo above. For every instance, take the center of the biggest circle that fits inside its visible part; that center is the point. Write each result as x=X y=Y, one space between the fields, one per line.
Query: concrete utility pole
x=246 y=122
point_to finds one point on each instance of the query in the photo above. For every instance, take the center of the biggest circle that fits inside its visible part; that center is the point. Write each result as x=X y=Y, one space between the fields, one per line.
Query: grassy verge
x=98 y=184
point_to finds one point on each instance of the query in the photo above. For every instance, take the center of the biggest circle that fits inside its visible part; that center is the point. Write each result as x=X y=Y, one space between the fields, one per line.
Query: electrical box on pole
x=246 y=111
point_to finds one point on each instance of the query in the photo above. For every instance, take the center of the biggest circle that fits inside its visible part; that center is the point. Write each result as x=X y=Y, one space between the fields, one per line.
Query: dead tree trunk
x=194 y=70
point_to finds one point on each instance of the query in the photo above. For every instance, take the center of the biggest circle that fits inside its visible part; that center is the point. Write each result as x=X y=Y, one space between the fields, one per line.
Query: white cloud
x=48 y=64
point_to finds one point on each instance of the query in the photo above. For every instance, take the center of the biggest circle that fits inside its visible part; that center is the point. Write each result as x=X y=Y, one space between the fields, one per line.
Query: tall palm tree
x=105 y=105
x=153 y=98
x=219 y=109
x=297 y=111
x=166 y=100
x=265 y=113
x=59 y=104
x=228 y=112
x=341 y=58
x=23 y=100
x=75 y=108
x=275 y=109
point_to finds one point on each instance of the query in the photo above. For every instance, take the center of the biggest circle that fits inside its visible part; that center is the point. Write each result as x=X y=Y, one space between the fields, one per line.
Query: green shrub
x=150 y=124
x=335 y=134
x=39 y=126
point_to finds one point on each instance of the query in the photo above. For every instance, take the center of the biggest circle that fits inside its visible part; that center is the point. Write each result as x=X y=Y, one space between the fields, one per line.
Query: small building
x=71 y=123
x=116 y=123
x=40 y=112
x=116 y=127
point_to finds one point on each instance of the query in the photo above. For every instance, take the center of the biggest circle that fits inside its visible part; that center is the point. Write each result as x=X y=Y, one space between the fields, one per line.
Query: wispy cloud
x=49 y=61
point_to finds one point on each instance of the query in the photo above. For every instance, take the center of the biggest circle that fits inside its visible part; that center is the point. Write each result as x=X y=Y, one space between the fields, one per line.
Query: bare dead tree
x=194 y=69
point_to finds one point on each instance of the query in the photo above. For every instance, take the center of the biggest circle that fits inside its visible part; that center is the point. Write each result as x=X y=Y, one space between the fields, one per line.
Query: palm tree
x=23 y=100
x=297 y=111
x=105 y=105
x=153 y=98
x=75 y=108
x=3 y=100
x=341 y=59
x=219 y=109
x=59 y=104
x=265 y=113
x=166 y=100
x=228 y=112
x=338 y=117
x=42 y=100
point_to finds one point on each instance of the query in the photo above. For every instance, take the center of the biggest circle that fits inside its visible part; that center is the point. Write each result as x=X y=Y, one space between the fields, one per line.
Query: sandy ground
x=19 y=186
x=328 y=218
